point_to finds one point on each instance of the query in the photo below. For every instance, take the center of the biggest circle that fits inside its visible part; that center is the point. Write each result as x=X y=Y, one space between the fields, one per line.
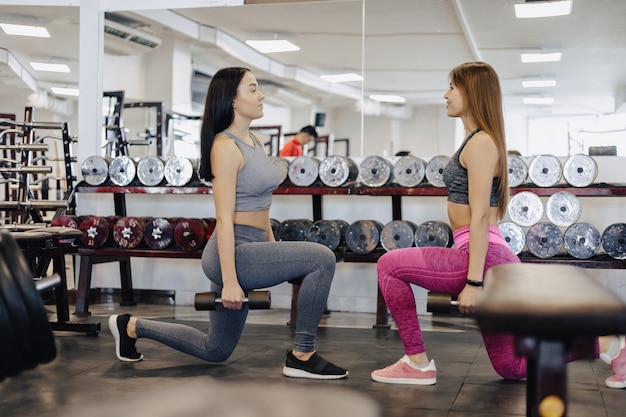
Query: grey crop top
x=258 y=178
x=455 y=178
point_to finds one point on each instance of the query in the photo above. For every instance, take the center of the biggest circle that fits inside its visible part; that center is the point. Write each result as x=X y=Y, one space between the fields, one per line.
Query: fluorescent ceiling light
x=542 y=101
x=387 y=98
x=49 y=67
x=341 y=78
x=543 y=9
x=541 y=57
x=538 y=83
x=25 y=30
x=63 y=91
x=268 y=47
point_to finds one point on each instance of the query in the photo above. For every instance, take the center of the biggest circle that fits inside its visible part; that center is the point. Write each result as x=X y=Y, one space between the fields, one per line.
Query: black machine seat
x=552 y=309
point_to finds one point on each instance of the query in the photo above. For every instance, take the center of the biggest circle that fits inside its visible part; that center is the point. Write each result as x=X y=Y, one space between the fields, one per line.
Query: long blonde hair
x=481 y=86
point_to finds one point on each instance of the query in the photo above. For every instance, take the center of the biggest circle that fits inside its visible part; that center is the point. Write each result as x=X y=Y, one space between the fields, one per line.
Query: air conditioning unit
x=124 y=40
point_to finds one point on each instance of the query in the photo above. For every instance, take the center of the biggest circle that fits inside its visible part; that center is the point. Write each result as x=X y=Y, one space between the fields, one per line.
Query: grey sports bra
x=258 y=178
x=455 y=178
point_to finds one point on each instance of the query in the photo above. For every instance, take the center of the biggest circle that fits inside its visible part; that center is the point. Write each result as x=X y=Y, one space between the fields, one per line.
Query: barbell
x=27 y=338
x=259 y=300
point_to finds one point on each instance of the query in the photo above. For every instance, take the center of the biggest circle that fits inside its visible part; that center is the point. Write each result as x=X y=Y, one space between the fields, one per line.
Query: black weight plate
x=38 y=317
x=16 y=309
x=10 y=360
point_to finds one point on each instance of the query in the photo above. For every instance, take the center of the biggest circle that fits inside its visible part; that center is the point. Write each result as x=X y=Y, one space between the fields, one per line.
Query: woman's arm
x=226 y=160
x=480 y=157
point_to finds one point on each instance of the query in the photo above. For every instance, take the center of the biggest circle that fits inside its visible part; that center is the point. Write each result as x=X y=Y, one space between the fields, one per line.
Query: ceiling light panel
x=541 y=57
x=538 y=83
x=537 y=9
x=49 y=67
x=64 y=91
x=272 y=46
x=341 y=78
x=25 y=30
x=387 y=98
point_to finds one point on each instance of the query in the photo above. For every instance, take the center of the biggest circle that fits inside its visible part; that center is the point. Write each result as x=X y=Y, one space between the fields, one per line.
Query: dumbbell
x=257 y=300
x=438 y=302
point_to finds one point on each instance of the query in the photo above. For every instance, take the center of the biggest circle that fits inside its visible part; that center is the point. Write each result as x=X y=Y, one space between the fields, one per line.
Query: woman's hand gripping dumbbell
x=259 y=300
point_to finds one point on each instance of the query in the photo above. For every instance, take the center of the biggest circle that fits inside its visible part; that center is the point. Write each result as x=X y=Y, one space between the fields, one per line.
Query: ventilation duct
x=124 y=40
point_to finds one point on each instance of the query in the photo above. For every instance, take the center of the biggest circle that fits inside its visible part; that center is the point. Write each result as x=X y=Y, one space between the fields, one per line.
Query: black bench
x=549 y=308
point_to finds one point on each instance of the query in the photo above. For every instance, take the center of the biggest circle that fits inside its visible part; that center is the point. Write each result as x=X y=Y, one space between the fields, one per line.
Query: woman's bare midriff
x=459 y=215
x=256 y=219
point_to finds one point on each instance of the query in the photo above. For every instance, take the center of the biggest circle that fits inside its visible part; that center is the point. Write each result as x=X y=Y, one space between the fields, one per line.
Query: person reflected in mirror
x=242 y=254
x=295 y=147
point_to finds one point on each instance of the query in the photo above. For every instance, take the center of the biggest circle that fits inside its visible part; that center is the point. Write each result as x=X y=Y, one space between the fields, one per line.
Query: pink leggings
x=444 y=270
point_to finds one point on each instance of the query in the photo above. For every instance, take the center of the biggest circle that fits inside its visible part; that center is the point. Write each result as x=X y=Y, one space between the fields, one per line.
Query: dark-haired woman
x=242 y=254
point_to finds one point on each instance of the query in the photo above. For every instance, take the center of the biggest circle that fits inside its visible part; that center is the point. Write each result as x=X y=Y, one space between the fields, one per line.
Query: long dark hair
x=481 y=86
x=218 y=113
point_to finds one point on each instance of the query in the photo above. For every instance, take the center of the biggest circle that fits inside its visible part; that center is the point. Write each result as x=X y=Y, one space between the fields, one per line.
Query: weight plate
x=325 y=232
x=128 y=232
x=65 y=221
x=398 y=234
x=95 y=170
x=335 y=171
x=15 y=306
x=375 y=171
x=544 y=240
x=518 y=170
x=39 y=323
x=95 y=230
x=580 y=170
x=158 y=233
x=151 y=170
x=582 y=240
x=614 y=240
x=293 y=230
x=409 y=171
x=514 y=236
x=303 y=171
x=434 y=170
x=434 y=233
x=545 y=170
x=190 y=234
x=363 y=236
x=179 y=171
x=281 y=165
x=122 y=170
x=563 y=208
x=525 y=208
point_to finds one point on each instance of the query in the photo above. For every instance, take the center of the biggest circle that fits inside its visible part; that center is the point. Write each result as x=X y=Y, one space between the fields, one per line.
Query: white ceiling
x=404 y=47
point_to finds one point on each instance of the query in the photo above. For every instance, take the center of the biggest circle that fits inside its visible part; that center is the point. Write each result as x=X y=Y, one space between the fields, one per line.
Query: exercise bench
x=549 y=308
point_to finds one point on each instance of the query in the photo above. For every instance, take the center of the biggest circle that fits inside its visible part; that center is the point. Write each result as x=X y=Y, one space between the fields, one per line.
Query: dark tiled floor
x=86 y=379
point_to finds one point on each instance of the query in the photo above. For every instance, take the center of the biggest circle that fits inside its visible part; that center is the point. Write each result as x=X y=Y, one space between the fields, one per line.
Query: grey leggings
x=259 y=264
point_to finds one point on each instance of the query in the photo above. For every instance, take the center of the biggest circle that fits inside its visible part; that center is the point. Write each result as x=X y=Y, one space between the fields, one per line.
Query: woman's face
x=249 y=99
x=455 y=101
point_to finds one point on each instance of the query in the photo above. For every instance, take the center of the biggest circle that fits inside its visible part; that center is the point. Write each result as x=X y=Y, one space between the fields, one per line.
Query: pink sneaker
x=402 y=372
x=618 y=366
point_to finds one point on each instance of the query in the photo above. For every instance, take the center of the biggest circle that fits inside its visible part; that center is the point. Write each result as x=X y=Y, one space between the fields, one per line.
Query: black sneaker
x=315 y=368
x=124 y=344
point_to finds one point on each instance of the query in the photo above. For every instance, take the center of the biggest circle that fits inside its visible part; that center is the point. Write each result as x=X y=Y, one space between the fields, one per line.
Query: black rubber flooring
x=86 y=379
